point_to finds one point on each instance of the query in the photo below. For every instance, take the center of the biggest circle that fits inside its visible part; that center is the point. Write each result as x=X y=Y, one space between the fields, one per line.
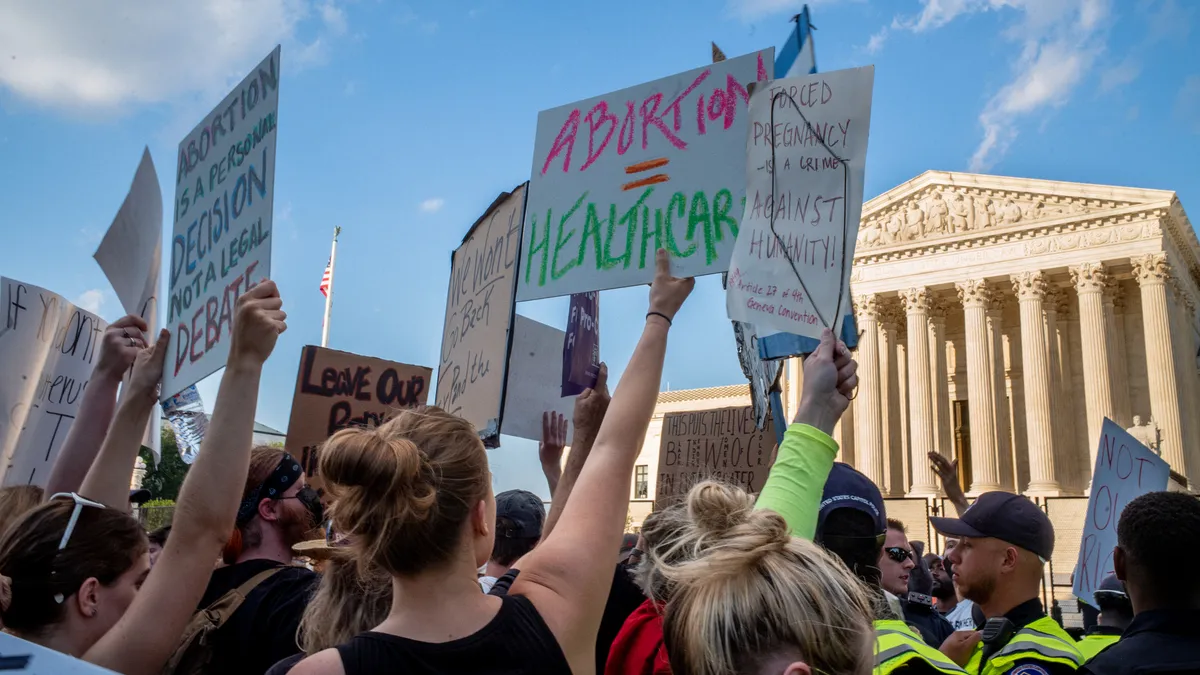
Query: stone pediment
x=941 y=205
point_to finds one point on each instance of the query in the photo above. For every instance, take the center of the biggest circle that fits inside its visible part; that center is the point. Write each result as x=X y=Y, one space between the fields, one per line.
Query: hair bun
x=364 y=469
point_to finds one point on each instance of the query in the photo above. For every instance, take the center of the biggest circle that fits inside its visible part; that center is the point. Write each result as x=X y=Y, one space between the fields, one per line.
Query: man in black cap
x=520 y=516
x=1004 y=542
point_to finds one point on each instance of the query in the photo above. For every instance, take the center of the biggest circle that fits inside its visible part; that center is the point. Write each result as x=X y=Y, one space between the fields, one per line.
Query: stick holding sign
x=1125 y=469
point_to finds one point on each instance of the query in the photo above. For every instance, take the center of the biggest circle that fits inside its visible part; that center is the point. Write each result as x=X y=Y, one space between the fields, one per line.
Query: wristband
x=650 y=314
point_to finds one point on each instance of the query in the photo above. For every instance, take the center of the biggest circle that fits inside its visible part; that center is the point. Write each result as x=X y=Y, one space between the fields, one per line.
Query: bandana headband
x=286 y=473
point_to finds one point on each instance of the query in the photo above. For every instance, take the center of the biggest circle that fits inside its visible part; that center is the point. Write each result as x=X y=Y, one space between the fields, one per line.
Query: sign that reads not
x=721 y=444
x=336 y=390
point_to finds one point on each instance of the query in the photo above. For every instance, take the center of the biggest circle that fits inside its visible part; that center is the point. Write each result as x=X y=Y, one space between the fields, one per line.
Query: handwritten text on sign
x=1125 y=469
x=722 y=444
x=48 y=347
x=618 y=176
x=220 y=248
x=805 y=167
x=479 y=311
x=335 y=390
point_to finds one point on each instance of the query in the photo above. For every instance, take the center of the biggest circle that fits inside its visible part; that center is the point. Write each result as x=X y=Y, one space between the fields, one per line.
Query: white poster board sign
x=221 y=242
x=131 y=257
x=534 y=380
x=1125 y=469
x=27 y=658
x=806 y=154
x=616 y=177
x=48 y=347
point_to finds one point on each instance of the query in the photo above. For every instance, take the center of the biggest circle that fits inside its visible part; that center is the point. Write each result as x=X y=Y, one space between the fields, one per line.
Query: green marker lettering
x=559 y=242
x=647 y=233
x=699 y=215
x=678 y=203
x=591 y=227
x=534 y=247
x=629 y=220
x=722 y=202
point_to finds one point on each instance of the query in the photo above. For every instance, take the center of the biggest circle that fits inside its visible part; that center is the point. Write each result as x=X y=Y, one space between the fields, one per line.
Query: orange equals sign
x=647 y=165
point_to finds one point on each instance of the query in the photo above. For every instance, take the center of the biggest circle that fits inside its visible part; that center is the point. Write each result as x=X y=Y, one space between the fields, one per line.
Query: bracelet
x=650 y=314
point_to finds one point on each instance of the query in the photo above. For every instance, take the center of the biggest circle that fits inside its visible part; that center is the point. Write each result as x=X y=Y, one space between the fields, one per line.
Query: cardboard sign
x=722 y=444
x=1125 y=470
x=221 y=241
x=335 y=390
x=581 y=349
x=805 y=162
x=479 y=311
x=48 y=347
x=27 y=658
x=534 y=381
x=618 y=176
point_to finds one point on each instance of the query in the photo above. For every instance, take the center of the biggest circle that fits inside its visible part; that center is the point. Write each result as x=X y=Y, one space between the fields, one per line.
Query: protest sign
x=48 y=347
x=805 y=161
x=335 y=390
x=581 y=349
x=534 y=383
x=185 y=412
x=722 y=444
x=479 y=311
x=22 y=656
x=1125 y=469
x=761 y=374
x=662 y=168
x=221 y=246
x=131 y=257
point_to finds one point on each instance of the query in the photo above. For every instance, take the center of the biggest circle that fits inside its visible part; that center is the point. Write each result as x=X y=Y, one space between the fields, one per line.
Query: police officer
x=1116 y=613
x=1004 y=541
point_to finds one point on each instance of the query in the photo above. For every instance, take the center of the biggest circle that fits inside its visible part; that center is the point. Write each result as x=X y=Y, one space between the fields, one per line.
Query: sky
x=402 y=122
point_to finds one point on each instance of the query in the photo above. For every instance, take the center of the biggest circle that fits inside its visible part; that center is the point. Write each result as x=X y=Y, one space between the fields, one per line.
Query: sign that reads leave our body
x=618 y=176
x=722 y=444
x=221 y=247
x=335 y=390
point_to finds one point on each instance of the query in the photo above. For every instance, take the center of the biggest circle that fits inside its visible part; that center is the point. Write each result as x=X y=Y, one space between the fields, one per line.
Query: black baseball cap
x=139 y=496
x=524 y=510
x=1005 y=516
x=846 y=488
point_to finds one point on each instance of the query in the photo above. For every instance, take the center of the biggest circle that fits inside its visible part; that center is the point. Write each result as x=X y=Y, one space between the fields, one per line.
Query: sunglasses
x=80 y=502
x=898 y=554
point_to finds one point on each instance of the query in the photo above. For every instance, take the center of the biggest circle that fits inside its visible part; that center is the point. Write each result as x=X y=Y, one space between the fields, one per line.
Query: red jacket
x=639 y=649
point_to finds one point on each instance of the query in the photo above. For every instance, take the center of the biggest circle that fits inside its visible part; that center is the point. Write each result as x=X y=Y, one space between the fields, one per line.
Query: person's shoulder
x=327 y=662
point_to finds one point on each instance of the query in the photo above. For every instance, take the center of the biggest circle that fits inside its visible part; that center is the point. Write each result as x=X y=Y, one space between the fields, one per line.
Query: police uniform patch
x=1028 y=670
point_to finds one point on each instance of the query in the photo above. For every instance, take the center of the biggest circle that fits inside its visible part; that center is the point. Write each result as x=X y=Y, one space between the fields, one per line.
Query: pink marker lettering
x=700 y=125
x=595 y=121
x=733 y=89
x=565 y=140
x=651 y=116
x=762 y=69
x=628 y=129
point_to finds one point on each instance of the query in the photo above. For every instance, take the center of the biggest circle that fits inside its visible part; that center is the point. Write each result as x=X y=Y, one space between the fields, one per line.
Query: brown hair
x=346 y=603
x=263 y=460
x=16 y=500
x=403 y=490
x=750 y=592
x=660 y=533
x=104 y=545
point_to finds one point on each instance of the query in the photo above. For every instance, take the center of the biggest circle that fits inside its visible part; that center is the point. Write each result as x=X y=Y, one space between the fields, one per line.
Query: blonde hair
x=748 y=594
x=660 y=534
x=16 y=500
x=346 y=603
x=402 y=491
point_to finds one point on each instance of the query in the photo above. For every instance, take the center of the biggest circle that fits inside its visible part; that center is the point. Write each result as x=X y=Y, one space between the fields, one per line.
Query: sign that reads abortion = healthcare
x=615 y=177
x=221 y=242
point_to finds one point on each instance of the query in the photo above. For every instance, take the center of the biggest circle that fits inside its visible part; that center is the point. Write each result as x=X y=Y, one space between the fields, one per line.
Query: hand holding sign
x=148 y=367
x=120 y=346
x=667 y=293
x=259 y=322
x=830 y=376
x=591 y=405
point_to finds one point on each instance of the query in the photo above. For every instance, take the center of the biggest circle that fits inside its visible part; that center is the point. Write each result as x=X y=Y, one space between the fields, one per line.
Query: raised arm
x=794 y=485
x=550 y=449
x=107 y=481
x=118 y=348
x=947 y=471
x=147 y=634
x=569 y=574
x=590 y=406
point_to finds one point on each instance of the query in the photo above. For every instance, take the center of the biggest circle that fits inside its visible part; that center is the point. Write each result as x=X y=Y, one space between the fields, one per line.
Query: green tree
x=164 y=479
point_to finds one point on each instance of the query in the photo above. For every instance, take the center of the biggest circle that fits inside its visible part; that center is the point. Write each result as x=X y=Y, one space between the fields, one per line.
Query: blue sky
x=402 y=122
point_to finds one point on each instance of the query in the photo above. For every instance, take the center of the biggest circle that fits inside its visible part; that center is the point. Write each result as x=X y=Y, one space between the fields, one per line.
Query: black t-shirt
x=516 y=640
x=263 y=630
x=623 y=598
x=1158 y=641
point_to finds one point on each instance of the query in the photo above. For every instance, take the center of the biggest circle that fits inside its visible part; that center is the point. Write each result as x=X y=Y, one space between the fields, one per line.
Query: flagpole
x=329 y=294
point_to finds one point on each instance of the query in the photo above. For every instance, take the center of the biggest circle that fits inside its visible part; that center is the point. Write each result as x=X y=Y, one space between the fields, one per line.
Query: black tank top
x=516 y=640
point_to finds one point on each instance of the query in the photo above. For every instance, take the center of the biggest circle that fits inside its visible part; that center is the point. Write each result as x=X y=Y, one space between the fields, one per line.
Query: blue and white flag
x=796 y=57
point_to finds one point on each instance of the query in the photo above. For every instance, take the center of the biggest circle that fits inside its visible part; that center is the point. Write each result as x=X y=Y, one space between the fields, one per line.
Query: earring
x=92 y=612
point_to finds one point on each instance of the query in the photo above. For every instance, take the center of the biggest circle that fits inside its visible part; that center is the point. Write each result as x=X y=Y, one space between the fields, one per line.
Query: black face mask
x=311 y=500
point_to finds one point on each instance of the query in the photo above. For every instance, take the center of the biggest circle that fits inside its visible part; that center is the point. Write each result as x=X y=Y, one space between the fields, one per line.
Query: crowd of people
x=423 y=570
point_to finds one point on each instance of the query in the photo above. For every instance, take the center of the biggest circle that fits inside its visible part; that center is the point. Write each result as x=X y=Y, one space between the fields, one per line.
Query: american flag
x=325 y=279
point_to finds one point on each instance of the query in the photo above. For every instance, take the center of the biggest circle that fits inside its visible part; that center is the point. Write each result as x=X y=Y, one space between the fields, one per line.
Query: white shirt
x=960 y=616
x=486 y=583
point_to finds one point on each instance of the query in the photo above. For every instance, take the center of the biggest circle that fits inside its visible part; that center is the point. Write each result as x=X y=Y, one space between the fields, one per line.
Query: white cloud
x=875 y=44
x=432 y=205
x=1187 y=103
x=96 y=56
x=1119 y=75
x=91 y=300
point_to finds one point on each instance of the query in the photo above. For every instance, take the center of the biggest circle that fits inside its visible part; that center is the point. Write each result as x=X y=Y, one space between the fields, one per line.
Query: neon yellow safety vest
x=1043 y=640
x=1091 y=645
x=896 y=645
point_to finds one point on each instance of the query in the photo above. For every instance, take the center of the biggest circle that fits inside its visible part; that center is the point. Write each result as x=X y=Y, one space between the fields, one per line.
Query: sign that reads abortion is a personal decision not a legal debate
x=615 y=177
x=221 y=241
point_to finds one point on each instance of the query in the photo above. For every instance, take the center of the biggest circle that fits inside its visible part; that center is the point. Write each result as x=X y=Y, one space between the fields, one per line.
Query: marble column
x=920 y=392
x=843 y=433
x=981 y=382
x=1090 y=280
x=1004 y=456
x=868 y=418
x=1114 y=305
x=1152 y=272
x=900 y=482
x=942 y=422
x=1030 y=288
x=893 y=444
x=1188 y=378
